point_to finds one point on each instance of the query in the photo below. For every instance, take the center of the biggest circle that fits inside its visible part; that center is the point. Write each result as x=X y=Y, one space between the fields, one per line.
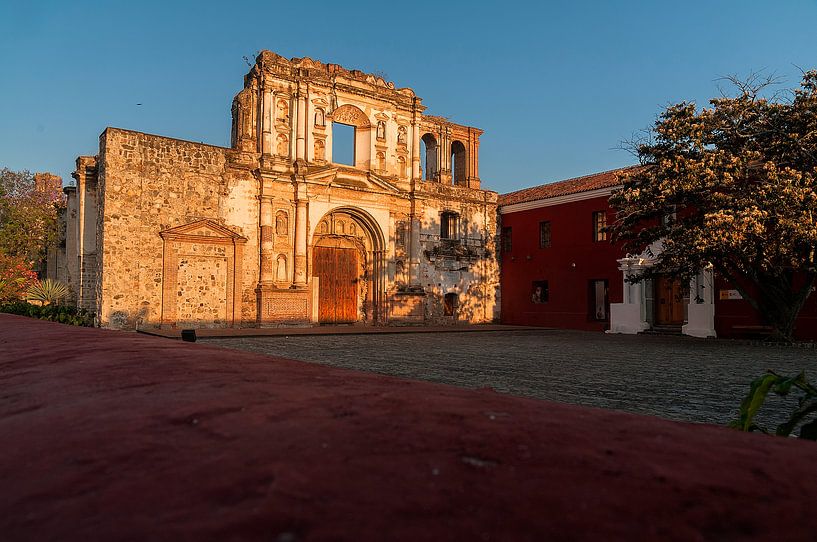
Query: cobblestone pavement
x=679 y=378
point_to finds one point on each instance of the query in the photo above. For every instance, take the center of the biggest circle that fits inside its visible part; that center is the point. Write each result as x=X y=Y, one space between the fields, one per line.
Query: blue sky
x=555 y=85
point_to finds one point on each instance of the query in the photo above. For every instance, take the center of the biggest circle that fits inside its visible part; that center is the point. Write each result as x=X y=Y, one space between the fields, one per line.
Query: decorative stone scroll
x=349 y=114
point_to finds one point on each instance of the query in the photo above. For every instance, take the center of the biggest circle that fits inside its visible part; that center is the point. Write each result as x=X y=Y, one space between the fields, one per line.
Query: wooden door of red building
x=337 y=270
x=670 y=302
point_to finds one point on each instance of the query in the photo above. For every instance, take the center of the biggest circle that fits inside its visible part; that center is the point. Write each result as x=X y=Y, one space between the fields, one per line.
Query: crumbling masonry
x=272 y=231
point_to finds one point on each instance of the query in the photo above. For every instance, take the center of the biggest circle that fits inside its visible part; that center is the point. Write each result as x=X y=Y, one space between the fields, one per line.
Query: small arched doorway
x=347 y=261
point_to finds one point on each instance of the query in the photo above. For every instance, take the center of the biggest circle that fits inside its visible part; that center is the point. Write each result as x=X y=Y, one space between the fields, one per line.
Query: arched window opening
x=458 y=163
x=343 y=144
x=428 y=157
x=449 y=225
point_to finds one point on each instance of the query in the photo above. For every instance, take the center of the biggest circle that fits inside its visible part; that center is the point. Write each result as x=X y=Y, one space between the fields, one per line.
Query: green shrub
x=55 y=313
x=805 y=415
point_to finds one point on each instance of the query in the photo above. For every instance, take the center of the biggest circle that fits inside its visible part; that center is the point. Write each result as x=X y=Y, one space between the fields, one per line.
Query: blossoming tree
x=733 y=185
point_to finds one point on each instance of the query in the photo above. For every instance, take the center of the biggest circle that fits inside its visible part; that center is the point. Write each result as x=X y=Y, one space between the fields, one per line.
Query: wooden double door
x=669 y=301
x=337 y=270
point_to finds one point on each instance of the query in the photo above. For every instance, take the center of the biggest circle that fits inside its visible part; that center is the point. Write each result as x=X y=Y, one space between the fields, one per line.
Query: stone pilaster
x=266 y=121
x=267 y=253
x=301 y=210
x=300 y=130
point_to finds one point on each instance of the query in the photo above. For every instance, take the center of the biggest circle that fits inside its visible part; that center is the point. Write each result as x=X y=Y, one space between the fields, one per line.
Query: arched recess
x=351 y=115
x=458 y=163
x=429 y=148
x=348 y=250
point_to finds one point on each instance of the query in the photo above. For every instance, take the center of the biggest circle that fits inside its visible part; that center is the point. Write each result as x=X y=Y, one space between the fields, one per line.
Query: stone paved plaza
x=680 y=378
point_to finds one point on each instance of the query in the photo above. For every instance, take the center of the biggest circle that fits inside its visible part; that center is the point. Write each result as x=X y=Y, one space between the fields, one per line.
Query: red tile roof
x=605 y=179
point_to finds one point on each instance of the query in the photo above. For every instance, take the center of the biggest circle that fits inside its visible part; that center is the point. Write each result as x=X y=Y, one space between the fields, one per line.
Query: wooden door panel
x=670 y=304
x=336 y=269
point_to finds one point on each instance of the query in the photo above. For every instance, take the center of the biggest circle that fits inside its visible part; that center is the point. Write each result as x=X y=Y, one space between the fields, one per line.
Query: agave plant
x=47 y=292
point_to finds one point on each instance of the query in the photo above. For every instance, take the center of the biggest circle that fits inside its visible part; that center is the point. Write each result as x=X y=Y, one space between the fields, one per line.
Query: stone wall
x=152 y=184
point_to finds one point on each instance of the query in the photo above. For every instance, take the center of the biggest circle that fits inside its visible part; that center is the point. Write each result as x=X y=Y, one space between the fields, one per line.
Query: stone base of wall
x=282 y=306
x=407 y=308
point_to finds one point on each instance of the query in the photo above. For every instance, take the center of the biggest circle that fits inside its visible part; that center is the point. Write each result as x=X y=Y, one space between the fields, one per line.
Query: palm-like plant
x=47 y=292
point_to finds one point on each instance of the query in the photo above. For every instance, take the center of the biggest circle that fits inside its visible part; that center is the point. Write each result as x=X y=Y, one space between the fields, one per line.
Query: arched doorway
x=347 y=261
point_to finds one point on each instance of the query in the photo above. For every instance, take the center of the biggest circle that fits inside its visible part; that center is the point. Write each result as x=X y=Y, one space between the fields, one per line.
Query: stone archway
x=347 y=262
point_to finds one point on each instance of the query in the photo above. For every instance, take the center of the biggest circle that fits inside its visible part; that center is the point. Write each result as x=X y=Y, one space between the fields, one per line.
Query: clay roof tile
x=605 y=179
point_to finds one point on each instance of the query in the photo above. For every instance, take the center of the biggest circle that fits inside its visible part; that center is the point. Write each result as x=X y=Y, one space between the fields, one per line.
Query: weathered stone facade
x=271 y=231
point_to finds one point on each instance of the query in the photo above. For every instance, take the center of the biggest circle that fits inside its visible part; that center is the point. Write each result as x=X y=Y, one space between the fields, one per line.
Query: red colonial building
x=559 y=269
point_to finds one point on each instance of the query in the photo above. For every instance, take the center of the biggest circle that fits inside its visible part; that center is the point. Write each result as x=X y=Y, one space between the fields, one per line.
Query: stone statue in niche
x=282 y=147
x=381 y=130
x=401 y=135
x=281 y=269
x=281 y=223
x=352 y=229
x=282 y=109
x=320 y=150
x=340 y=227
x=324 y=227
x=320 y=119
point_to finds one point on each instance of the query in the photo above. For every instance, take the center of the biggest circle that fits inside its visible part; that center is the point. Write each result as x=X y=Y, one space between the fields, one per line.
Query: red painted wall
x=738 y=312
x=571 y=243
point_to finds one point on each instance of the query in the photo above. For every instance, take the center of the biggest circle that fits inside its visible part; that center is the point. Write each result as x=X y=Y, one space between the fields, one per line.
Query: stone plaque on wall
x=283 y=306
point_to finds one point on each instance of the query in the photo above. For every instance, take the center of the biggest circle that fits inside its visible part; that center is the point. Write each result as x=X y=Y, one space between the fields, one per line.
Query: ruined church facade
x=273 y=231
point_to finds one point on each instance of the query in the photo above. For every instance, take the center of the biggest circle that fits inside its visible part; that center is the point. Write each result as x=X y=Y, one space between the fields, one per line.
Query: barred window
x=507 y=239
x=449 y=225
x=544 y=234
x=599 y=225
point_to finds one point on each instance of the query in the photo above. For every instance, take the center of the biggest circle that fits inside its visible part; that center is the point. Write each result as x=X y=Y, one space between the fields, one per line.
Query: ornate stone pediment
x=351 y=178
x=202 y=230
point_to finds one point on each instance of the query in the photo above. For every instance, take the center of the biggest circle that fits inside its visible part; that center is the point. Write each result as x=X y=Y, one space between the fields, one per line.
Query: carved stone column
x=300 y=127
x=266 y=121
x=415 y=148
x=301 y=210
x=267 y=255
x=414 y=251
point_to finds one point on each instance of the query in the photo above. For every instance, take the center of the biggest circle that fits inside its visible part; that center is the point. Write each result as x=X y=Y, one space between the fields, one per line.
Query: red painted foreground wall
x=572 y=243
x=115 y=436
